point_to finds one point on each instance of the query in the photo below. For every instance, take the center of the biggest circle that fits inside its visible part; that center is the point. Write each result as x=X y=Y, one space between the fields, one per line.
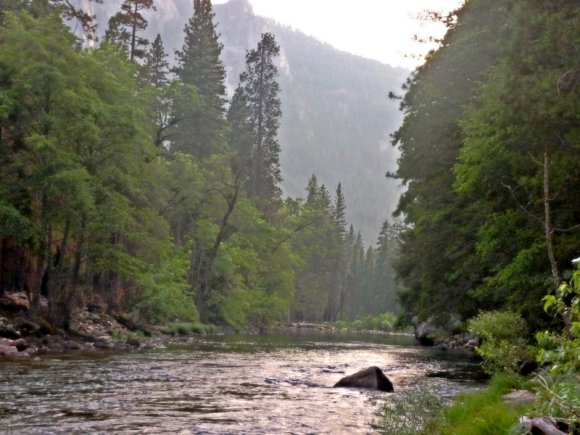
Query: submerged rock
x=371 y=377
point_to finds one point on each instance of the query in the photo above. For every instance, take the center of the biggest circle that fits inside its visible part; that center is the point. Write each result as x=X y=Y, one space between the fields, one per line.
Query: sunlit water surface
x=231 y=384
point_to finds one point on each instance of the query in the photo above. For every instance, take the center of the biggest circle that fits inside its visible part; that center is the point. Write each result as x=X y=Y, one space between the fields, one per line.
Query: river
x=224 y=384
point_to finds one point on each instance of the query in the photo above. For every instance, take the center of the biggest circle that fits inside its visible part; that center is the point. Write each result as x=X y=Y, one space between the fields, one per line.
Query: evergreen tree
x=258 y=104
x=520 y=158
x=157 y=67
x=124 y=27
x=339 y=213
x=384 y=273
x=314 y=245
x=312 y=189
x=341 y=255
x=171 y=101
x=199 y=64
x=442 y=225
x=117 y=35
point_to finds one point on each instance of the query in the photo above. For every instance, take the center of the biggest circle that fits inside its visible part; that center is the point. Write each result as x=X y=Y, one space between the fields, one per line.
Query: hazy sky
x=377 y=29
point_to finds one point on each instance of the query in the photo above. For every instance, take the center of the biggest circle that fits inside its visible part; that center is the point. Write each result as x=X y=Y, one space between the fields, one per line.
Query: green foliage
x=559 y=386
x=562 y=351
x=202 y=133
x=13 y=224
x=504 y=340
x=498 y=325
x=477 y=413
x=387 y=322
x=489 y=154
x=413 y=412
x=117 y=185
x=189 y=328
x=481 y=412
x=255 y=116
x=559 y=395
x=165 y=291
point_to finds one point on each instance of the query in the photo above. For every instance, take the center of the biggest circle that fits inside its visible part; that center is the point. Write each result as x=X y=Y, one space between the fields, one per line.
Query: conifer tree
x=124 y=27
x=257 y=99
x=384 y=274
x=157 y=66
x=312 y=189
x=340 y=257
x=339 y=213
x=199 y=64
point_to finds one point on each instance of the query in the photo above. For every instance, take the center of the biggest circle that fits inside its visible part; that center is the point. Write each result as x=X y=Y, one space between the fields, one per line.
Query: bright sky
x=376 y=29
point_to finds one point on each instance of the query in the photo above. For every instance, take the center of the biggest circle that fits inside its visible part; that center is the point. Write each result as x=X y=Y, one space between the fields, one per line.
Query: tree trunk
x=548 y=221
x=58 y=300
x=41 y=258
x=556 y=279
x=206 y=267
x=133 y=34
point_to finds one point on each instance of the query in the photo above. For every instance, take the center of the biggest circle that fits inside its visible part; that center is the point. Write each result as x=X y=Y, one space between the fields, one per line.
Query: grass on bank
x=484 y=412
x=386 y=322
x=189 y=328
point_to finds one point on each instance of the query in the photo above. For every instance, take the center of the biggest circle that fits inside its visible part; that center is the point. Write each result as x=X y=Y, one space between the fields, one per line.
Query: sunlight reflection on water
x=231 y=384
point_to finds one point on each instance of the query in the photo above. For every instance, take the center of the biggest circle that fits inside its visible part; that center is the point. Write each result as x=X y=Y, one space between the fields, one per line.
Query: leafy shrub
x=559 y=386
x=165 y=291
x=504 y=343
x=562 y=351
x=189 y=328
x=559 y=395
x=380 y=322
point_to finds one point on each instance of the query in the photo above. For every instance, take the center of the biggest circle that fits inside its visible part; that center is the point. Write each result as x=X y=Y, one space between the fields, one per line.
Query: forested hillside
x=337 y=115
x=490 y=155
x=146 y=189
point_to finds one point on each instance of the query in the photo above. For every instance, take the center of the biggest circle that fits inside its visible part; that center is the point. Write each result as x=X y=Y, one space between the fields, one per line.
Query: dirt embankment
x=23 y=335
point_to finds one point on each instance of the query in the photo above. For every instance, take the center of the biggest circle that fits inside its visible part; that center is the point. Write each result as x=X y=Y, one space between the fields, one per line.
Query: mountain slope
x=336 y=114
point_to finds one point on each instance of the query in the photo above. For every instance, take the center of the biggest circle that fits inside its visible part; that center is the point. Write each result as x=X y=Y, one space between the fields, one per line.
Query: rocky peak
x=239 y=7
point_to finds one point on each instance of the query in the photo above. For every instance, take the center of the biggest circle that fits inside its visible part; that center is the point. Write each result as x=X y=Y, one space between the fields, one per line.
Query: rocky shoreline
x=444 y=338
x=91 y=330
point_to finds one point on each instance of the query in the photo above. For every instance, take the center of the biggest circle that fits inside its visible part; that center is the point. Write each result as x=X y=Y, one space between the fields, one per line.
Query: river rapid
x=242 y=384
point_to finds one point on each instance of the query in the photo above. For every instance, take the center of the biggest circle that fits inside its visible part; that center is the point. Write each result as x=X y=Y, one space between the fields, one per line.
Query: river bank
x=23 y=335
x=92 y=329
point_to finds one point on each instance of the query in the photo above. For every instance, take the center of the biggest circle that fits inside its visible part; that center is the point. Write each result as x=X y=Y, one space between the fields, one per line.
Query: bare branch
x=523 y=208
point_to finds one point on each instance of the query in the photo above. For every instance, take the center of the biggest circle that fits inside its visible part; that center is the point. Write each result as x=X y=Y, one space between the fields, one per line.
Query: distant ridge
x=336 y=115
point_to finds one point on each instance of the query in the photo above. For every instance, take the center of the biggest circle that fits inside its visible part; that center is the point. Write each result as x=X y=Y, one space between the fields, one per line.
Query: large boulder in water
x=372 y=377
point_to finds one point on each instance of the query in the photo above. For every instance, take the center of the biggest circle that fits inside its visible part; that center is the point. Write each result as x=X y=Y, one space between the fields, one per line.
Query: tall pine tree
x=199 y=64
x=256 y=105
x=124 y=27
x=156 y=64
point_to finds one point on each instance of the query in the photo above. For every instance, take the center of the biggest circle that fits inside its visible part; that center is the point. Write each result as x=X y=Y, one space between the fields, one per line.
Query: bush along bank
x=518 y=400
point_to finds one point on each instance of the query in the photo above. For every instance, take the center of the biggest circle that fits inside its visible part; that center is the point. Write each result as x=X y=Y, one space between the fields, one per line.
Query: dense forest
x=143 y=188
x=490 y=156
x=337 y=117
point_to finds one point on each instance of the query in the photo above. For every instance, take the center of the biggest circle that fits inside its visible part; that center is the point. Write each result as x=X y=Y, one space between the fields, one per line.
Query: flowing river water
x=250 y=384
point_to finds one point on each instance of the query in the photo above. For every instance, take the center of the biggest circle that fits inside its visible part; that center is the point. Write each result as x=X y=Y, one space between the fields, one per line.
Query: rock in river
x=371 y=377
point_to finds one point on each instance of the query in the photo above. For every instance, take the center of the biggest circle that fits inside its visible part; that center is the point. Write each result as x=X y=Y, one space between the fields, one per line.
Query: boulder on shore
x=426 y=332
x=371 y=377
